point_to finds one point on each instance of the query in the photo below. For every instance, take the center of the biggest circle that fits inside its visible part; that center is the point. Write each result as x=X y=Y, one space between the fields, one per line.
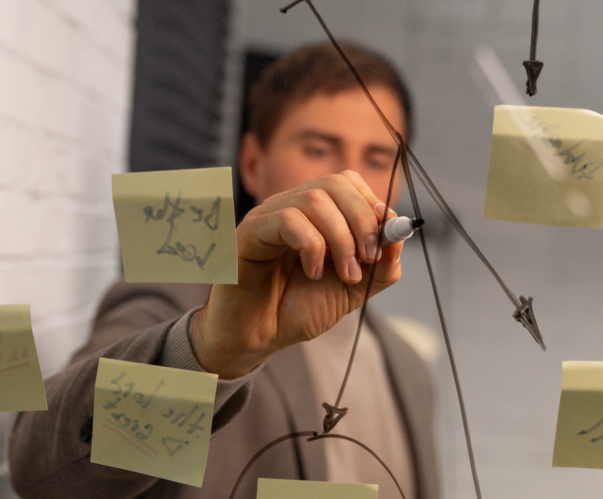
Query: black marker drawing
x=533 y=67
x=215 y=215
x=196 y=426
x=173 y=244
x=573 y=157
x=181 y=418
x=119 y=393
x=593 y=428
x=173 y=445
x=570 y=153
x=198 y=212
x=523 y=307
x=191 y=418
x=132 y=425
x=311 y=436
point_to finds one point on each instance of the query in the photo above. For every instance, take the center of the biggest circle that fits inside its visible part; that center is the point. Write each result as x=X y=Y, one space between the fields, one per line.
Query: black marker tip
x=415 y=223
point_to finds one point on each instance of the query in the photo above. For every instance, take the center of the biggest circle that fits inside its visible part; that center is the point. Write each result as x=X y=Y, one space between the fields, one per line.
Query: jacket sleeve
x=50 y=450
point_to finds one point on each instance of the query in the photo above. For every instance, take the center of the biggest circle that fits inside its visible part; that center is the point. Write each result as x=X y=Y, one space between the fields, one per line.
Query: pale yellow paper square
x=302 y=489
x=177 y=226
x=546 y=167
x=579 y=437
x=153 y=420
x=21 y=385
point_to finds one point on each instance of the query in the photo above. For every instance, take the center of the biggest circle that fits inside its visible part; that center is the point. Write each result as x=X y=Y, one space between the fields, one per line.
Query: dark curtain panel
x=178 y=81
x=255 y=63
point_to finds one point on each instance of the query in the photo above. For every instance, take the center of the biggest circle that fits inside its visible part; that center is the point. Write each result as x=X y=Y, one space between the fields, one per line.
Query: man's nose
x=353 y=162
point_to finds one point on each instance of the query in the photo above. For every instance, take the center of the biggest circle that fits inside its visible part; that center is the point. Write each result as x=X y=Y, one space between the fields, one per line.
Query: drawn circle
x=313 y=437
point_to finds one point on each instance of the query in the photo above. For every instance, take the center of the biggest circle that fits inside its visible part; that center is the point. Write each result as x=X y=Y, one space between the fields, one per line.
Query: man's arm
x=50 y=450
x=303 y=259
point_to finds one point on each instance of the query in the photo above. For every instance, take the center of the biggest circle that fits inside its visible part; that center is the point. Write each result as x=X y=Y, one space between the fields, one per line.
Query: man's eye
x=315 y=152
x=379 y=164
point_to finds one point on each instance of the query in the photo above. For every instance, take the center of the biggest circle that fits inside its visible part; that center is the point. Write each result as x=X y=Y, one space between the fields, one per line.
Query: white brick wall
x=65 y=78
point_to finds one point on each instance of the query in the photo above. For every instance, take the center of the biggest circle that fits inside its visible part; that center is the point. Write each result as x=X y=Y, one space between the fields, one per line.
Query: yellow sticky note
x=21 y=385
x=302 y=489
x=546 y=167
x=177 y=226
x=579 y=437
x=153 y=420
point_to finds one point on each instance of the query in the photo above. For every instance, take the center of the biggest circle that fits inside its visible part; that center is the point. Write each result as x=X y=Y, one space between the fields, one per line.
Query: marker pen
x=399 y=229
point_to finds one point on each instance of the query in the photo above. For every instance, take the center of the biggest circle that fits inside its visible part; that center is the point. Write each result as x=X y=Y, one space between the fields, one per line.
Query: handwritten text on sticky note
x=579 y=437
x=21 y=385
x=176 y=226
x=303 y=489
x=153 y=420
x=546 y=167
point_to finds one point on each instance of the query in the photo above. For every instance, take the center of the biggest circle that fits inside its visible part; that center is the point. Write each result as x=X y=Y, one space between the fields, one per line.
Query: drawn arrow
x=533 y=67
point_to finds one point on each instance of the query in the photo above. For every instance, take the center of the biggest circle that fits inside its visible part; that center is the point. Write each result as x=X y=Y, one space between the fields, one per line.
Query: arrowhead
x=525 y=315
x=334 y=414
x=533 y=69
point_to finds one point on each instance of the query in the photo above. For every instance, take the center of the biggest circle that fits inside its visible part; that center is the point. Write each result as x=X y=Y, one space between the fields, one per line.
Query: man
x=317 y=161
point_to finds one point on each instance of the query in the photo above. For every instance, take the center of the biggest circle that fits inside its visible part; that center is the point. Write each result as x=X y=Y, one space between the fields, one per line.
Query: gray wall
x=511 y=388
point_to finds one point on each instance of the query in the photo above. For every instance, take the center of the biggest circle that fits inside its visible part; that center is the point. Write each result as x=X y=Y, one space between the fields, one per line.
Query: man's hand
x=303 y=265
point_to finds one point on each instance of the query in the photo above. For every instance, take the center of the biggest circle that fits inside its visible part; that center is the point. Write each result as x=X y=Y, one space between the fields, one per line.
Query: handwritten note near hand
x=153 y=420
x=302 y=489
x=21 y=385
x=546 y=167
x=177 y=226
x=579 y=437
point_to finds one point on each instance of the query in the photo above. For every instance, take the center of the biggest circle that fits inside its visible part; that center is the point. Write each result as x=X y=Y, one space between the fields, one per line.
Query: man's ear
x=250 y=154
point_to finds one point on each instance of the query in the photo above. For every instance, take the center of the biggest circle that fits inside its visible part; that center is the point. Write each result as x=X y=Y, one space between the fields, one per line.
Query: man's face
x=322 y=135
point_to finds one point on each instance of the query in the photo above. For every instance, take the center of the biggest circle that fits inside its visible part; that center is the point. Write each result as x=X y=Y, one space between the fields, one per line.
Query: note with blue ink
x=177 y=226
x=546 y=167
x=579 y=436
x=153 y=420
x=21 y=384
x=304 y=489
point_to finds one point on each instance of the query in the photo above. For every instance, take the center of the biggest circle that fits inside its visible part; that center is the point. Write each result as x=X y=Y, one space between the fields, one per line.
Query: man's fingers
x=319 y=210
x=357 y=205
x=268 y=236
x=388 y=269
x=387 y=272
x=374 y=202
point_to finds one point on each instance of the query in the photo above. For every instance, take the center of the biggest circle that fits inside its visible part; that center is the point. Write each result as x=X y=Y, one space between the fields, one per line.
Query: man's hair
x=318 y=69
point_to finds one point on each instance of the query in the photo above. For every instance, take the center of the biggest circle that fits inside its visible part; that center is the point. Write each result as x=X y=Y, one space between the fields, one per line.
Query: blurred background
x=92 y=88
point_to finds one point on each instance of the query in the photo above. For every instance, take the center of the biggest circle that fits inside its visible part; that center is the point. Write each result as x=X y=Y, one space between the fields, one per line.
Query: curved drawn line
x=267 y=447
x=369 y=284
x=405 y=152
x=313 y=437
x=586 y=432
x=353 y=440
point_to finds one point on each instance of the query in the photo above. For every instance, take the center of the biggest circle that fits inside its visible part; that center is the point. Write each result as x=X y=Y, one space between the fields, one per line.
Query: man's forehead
x=377 y=91
x=349 y=111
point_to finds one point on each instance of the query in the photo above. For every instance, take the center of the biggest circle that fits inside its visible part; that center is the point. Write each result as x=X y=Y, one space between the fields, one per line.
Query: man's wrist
x=217 y=359
x=177 y=351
